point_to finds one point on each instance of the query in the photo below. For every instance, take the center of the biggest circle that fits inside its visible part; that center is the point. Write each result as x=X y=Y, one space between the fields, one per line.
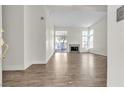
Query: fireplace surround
x=74 y=47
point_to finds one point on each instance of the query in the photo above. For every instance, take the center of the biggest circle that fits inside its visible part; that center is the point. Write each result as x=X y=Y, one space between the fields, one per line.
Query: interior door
x=0 y=45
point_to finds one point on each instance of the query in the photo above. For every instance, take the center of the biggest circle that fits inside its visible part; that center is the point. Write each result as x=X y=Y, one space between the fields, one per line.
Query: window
x=87 y=39
x=84 y=39
x=91 y=38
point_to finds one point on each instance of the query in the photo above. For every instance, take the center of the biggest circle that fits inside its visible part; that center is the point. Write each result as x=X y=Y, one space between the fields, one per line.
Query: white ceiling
x=77 y=15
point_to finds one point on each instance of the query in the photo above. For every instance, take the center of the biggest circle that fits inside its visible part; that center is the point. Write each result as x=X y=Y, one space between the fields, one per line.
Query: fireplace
x=74 y=47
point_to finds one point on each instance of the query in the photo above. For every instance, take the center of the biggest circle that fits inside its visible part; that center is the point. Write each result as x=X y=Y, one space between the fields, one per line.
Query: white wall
x=100 y=37
x=13 y=25
x=49 y=36
x=30 y=39
x=35 y=35
x=0 y=46
x=115 y=74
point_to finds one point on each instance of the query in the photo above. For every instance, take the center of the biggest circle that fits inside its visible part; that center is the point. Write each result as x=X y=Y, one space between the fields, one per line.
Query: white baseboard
x=39 y=62
x=27 y=66
x=13 y=67
x=47 y=59
x=97 y=52
x=36 y=62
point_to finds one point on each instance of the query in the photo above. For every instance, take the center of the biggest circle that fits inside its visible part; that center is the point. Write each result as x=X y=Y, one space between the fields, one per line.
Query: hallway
x=62 y=70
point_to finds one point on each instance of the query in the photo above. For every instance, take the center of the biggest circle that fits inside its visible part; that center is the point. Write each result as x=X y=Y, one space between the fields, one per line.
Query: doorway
x=60 y=41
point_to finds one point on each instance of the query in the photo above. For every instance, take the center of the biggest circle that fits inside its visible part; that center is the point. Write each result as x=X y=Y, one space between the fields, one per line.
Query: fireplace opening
x=74 y=47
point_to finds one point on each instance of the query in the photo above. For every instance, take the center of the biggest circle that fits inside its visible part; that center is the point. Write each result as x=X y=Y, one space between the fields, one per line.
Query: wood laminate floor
x=62 y=70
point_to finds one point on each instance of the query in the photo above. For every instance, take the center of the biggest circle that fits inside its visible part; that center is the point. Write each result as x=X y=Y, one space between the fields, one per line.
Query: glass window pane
x=61 y=33
x=84 y=39
x=91 y=38
x=91 y=42
x=87 y=39
x=91 y=45
x=91 y=32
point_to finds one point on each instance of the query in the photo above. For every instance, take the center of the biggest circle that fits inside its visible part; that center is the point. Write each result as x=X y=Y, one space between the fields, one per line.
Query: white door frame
x=0 y=46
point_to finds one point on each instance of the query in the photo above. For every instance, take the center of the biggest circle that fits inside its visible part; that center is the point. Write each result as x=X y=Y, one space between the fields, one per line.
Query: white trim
x=39 y=62
x=47 y=59
x=27 y=66
x=12 y=67
x=97 y=52
x=16 y=67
